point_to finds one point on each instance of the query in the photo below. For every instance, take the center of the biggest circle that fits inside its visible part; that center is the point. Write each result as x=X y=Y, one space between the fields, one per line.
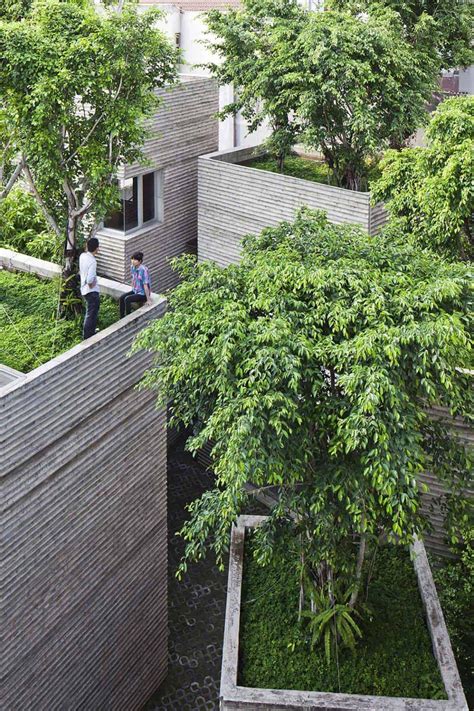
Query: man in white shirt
x=89 y=286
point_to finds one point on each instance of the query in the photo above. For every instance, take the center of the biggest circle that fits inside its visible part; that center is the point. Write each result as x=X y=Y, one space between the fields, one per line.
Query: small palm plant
x=331 y=619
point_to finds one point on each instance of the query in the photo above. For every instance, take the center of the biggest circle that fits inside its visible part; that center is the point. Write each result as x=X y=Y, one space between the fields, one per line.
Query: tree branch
x=94 y=125
x=49 y=218
x=13 y=178
x=358 y=575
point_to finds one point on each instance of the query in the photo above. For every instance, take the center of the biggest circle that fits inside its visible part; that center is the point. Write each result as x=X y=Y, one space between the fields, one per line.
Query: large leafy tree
x=451 y=23
x=362 y=87
x=429 y=191
x=254 y=48
x=349 y=83
x=310 y=366
x=77 y=85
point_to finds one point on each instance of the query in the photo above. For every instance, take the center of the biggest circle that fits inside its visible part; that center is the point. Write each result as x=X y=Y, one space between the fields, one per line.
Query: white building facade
x=184 y=22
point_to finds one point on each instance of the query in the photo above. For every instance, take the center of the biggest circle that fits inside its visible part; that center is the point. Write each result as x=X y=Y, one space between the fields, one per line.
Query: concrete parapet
x=236 y=200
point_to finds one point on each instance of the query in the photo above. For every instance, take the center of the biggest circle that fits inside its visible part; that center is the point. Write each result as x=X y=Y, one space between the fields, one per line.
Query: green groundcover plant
x=310 y=366
x=394 y=657
x=455 y=584
x=298 y=166
x=30 y=333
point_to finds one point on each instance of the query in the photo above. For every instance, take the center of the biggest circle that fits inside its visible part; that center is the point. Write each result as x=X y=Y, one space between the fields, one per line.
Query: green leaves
x=77 y=85
x=362 y=87
x=430 y=191
x=347 y=84
x=309 y=367
x=443 y=26
x=257 y=47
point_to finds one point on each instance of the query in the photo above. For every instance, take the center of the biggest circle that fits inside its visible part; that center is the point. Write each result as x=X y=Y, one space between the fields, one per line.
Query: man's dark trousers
x=126 y=301
x=92 y=309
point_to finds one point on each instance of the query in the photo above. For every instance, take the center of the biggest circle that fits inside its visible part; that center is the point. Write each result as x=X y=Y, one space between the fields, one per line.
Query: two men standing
x=140 y=293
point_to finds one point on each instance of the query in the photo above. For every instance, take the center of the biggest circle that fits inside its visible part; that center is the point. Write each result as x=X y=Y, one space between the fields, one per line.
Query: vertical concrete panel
x=183 y=128
x=83 y=527
x=236 y=200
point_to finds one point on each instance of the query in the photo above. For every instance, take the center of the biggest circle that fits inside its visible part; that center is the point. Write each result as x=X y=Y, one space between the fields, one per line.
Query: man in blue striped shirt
x=141 y=286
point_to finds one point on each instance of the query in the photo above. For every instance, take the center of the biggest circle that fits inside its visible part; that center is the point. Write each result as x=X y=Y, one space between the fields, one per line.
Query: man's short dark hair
x=92 y=244
x=138 y=256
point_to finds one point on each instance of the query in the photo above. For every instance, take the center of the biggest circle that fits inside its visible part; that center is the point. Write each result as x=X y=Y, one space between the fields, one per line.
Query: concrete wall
x=186 y=22
x=15 y=261
x=235 y=200
x=466 y=80
x=435 y=541
x=182 y=129
x=83 y=527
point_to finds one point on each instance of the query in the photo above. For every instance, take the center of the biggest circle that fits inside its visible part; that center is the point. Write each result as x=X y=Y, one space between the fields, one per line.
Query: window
x=141 y=202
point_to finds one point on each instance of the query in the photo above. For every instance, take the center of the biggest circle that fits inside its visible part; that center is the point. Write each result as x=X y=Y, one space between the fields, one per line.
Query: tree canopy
x=347 y=84
x=450 y=22
x=362 y=87
x=429 y=191
x=309 y=366
x=76 y=86
x=254 y=50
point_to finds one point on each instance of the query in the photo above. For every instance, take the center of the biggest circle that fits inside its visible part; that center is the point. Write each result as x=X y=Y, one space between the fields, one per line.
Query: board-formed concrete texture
x=8 y=375
x=240 y=698
x=237 y=200
x=435 y=539
x=83 y=528
x=183 y=128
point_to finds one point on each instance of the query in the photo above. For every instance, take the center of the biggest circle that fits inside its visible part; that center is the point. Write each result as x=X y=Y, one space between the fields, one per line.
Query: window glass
x=126 y=216
x=130 y=204
x=148 y=197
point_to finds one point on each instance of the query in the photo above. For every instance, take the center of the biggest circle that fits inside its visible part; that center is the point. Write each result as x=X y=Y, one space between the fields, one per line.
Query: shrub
x=24 y=229
x=429 y=191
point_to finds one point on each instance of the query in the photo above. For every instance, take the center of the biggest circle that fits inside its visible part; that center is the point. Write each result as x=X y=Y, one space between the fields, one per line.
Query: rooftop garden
x=310 y=366
x=31 y=331
x=349 y=83
x=63 y=140
x=306 y=168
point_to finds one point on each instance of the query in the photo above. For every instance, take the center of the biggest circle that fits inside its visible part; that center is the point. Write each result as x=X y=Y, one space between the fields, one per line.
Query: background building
x=158 y=214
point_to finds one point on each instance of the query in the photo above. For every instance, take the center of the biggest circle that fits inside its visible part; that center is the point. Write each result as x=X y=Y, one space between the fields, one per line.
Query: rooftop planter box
x=235 y=200
x=84 y=576
x=235 y=697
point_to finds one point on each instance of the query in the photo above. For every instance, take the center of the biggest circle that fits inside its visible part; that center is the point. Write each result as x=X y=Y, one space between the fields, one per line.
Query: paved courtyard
x=196 y=605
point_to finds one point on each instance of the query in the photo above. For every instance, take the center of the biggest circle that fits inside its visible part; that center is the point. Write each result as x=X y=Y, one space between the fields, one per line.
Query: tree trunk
x=281 y=162
x=351 y=179
x=358 y=575
x=301 y=599
x=12 y=180
x=70 y=300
